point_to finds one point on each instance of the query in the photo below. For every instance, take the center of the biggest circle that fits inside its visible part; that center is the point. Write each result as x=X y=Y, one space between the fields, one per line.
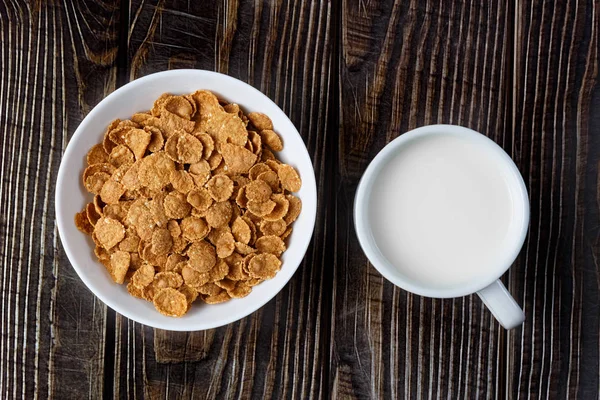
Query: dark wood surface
x=352 y=75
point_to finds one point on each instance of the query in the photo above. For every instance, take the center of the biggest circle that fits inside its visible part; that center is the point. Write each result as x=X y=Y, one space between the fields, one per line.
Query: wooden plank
x=56 y=62
x=282 y=48
x=405 y=64
x=557 y=147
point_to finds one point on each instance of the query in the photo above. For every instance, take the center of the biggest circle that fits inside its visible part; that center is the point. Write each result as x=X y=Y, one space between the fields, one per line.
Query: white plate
x=71 y=196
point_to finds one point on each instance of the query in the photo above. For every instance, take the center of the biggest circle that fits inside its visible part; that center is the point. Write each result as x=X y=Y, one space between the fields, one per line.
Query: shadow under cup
x=442 y=211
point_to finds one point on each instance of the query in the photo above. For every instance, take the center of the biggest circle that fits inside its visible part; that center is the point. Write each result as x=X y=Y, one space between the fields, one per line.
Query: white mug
x=487 y=285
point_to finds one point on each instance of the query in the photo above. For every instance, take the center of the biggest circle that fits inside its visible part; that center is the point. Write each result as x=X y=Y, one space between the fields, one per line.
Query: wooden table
x=352 y=75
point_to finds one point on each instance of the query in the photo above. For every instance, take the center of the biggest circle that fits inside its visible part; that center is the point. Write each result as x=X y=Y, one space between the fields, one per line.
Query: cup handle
x=502 y=305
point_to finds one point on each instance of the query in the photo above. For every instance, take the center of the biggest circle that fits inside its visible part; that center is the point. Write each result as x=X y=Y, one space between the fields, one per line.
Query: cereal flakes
x=190 y=201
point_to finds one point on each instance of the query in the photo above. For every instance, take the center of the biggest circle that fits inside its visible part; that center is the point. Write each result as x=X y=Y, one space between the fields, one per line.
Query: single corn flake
x=226 y=284
x=232 y=108
x=130 y=180
x=233 y=259
x=97 y=155
x=119 y=262
x=256 y=141
x=264 y=266
x=244 y=249
x=157 y=209
x=170 y=302
x=170 y=123
x=216 y=233
x=246 y=264
x=276 y=227
x=108 y=144
x=272 y=179
x=200 y=199
x=295 y=206
x=98 y=204
x=180 y=245
x=95 y=182
x=241 y=289
x=261 y=209
x=241 y=199
x=214 y=161
x=209 y=289
x=162 y=241
x=135 y=291
x=289 y=178
x=241 y=231
x=111 y=191
x=222 y=297
x=208 y=145
x=155 y=170
x=194 y=229
x=227 y=128
x=157 y=140
x=109 y=232
x=143 y=276
x=117 y=211
x=182 y=181
x=206 y=102
x=180 y=106
x=83 y=223
x=92 y=214
x=138 y=140
x=270 y=244
x=220 y=187
x=194 y=278
x=174 y=228
x=167 y=279
x=219 y=271
x=260 y=121
x=237 y=158
x=271 y=139
x=140 y=218
x=121 y=155
x=219 y=214
x=176 y=205
x=258 y=191
x=225 y=245
x=140 y=117
x=202 y=256
x=189 y=149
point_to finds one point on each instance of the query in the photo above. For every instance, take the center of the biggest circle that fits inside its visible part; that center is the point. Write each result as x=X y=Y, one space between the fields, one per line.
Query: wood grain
x=57 y=61
x=352 y=76
x=557 y=147
x=283 y=49
x=406 y=64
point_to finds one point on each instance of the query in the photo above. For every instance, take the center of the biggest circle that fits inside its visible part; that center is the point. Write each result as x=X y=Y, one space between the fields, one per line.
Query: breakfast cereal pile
x=189 y=201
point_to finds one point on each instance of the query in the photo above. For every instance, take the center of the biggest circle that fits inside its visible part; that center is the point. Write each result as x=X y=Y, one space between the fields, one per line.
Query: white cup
x=488 y=285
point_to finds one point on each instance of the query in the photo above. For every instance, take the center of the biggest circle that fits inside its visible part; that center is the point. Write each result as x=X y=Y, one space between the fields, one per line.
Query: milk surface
x=441 y=211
